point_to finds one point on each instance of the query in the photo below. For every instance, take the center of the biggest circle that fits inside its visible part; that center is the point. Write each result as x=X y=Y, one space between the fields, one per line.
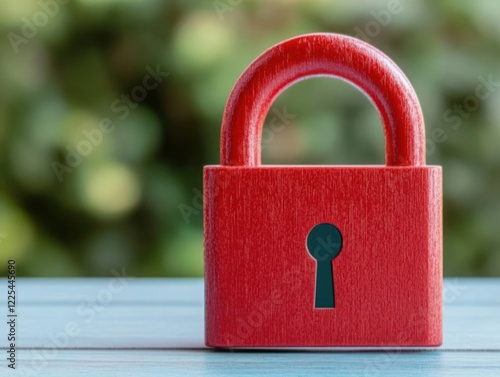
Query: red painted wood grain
x=259 y=277
x=322 y=55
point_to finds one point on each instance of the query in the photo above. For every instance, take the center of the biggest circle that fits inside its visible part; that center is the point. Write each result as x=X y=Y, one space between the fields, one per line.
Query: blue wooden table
x=154 y=327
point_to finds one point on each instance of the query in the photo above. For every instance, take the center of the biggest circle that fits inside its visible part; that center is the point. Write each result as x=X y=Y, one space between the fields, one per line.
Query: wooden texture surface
x=261 y=280
x=155 y=328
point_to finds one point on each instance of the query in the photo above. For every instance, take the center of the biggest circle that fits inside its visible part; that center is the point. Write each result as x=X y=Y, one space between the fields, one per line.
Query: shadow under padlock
x=324 y=243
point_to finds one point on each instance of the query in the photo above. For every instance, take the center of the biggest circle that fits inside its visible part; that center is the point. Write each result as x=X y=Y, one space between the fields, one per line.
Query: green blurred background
x=133 y=200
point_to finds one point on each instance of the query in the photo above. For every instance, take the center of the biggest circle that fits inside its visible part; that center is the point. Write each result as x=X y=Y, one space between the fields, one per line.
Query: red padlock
x=323 y=255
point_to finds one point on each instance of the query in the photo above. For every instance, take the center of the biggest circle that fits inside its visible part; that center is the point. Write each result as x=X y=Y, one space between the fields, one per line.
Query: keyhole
x=324 y=243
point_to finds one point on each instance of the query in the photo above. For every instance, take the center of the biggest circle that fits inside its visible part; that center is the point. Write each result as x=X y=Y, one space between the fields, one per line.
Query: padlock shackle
x=350 y=59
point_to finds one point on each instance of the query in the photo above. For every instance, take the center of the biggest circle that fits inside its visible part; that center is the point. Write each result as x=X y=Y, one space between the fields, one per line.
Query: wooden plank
x=137 y=318
x=125 y=363
x=135 y=291
x=456 y=291
x=156 y=326
x=139 y=333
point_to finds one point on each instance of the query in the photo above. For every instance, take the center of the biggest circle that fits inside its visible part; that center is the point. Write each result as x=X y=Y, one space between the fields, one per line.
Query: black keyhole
x=324 y=243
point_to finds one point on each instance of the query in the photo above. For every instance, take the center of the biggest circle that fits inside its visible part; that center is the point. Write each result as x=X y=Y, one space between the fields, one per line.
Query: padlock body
x=260 y=279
